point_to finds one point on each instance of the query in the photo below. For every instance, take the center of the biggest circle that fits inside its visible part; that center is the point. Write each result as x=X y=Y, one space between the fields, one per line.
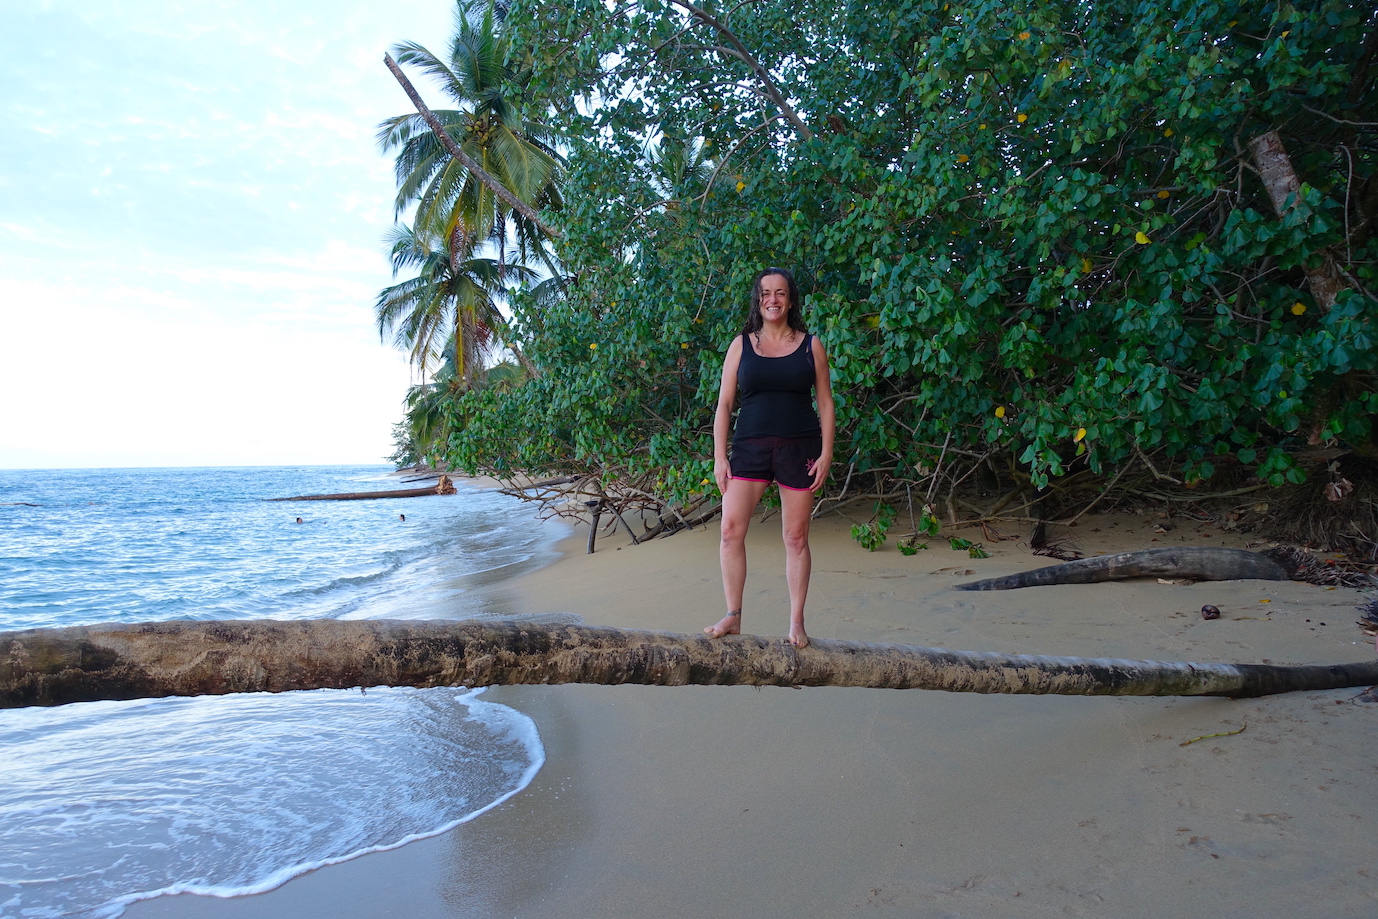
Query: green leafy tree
x=431 y=417
x=405 y=451
x=1036 y=232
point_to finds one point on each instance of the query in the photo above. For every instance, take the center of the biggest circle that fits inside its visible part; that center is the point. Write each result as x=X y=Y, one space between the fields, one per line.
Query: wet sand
x=733 y=801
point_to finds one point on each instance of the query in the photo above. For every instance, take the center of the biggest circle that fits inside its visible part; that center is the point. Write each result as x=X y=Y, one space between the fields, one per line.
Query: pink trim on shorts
x=742 y=478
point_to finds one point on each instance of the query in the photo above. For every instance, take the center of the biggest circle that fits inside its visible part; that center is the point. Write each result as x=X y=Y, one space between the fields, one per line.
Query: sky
x=192 y=213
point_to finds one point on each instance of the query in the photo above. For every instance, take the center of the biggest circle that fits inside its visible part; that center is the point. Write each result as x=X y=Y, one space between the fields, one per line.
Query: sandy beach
x=734 y=801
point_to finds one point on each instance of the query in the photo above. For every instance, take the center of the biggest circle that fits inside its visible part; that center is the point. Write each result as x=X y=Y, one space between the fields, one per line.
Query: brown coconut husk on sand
x=1368 y=618
x=1326 y=572
x=1335 y=509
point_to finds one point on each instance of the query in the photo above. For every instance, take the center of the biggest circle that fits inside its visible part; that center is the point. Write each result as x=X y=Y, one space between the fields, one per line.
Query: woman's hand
x=722 y=473
x=818 y=468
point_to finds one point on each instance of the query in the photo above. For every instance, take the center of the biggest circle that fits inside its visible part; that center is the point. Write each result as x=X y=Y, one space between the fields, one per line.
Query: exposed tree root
x=1336 y=509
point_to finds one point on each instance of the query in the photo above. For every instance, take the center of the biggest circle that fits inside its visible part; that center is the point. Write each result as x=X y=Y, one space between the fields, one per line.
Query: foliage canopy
x=1031 y=233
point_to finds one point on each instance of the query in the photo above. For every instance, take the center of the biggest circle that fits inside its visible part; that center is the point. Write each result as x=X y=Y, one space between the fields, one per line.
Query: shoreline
x=691 y=801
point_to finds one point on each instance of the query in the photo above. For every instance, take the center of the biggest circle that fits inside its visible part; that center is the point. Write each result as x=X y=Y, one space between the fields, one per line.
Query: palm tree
x=681 y=166
x=489 y=127
x=433 y=410
x=430 y=418
x=451 y=304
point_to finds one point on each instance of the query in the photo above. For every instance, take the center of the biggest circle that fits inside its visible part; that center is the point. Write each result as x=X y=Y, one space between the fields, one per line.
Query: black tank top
x=776 y=393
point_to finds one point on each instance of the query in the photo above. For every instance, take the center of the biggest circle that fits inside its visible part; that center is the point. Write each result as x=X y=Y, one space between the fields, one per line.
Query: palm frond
x=418 y=56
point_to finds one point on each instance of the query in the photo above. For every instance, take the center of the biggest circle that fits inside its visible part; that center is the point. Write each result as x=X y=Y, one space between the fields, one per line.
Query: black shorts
x=776 y=459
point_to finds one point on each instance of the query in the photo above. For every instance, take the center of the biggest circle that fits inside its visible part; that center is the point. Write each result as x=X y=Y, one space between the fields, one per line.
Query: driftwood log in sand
x=1193 y=563
x=443 y=487
x=56 y=666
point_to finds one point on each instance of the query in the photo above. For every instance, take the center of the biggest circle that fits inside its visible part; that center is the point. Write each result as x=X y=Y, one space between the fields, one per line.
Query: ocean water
x=103 y=804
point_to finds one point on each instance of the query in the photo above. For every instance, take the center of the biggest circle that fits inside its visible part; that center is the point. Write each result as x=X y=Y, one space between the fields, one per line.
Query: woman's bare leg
x=738 y=504
x=796 y=511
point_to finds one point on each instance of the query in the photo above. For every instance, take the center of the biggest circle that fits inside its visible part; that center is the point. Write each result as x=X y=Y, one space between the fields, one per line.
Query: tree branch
x=740 y=51
x=735 y=147
x=1281 y=181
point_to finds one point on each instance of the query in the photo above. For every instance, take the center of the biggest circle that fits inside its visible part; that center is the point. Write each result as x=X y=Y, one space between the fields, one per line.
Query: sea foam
x=103 y=804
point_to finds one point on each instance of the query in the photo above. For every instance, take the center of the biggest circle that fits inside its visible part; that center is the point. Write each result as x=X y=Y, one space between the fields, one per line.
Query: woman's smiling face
x=774 y=298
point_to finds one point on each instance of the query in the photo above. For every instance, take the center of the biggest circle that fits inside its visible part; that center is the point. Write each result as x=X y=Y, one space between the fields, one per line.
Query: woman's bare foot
x=797 y=636
x=731 y=624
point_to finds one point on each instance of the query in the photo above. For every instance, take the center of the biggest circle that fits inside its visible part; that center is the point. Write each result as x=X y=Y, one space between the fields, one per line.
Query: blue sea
x=103 y=804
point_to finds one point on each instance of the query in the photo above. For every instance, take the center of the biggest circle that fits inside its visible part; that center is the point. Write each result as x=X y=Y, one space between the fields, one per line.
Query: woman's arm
x=722 y=420
x=827 y=414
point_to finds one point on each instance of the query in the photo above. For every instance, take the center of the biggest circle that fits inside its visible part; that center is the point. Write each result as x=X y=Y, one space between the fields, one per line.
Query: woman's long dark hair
x=754 y=322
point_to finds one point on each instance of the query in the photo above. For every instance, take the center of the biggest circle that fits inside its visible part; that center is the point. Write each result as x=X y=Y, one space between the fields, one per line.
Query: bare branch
x=740 y=52
x=1357 y=124
x=735 y=147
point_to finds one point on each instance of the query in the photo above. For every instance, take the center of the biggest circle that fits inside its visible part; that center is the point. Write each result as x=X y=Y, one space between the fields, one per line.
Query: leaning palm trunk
x=88 y=663
x=497 y=188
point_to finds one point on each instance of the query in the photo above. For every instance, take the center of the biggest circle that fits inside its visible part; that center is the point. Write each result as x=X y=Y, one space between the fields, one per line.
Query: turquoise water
x=102 y=804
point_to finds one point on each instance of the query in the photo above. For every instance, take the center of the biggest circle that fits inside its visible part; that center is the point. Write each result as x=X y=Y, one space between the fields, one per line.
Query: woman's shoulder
x=733 y=355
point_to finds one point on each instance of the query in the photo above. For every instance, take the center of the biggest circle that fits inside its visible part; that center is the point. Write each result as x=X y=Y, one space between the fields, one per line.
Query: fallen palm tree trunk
x=150 y=660
x=423 y=476
x=1195 y=563
x=443 y=487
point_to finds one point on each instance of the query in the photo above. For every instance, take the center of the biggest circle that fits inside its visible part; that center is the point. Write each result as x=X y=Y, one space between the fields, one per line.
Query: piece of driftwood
x=443 y=487
x=596 y=509
x=424 y=477
x=151 y=660
x=1193 y=563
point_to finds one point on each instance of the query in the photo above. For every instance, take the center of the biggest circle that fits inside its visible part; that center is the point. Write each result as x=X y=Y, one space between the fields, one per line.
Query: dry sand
x=733 y=801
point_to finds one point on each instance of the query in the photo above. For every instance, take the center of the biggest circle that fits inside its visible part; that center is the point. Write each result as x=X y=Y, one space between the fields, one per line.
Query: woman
x=779 y=370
